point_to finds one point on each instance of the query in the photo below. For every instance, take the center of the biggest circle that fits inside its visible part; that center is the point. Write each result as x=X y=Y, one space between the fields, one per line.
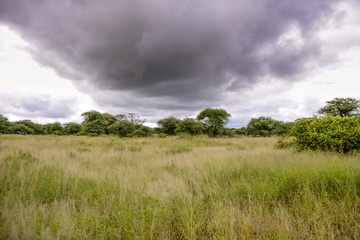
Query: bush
x=81 y=134
x=340 y=134
x=143 y=131
x=190 y=126
x=162 y=135
x=57 y=132
x=121 y=128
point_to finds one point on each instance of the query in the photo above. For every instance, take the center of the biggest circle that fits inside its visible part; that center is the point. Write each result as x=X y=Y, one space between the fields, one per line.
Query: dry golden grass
x=56 y=187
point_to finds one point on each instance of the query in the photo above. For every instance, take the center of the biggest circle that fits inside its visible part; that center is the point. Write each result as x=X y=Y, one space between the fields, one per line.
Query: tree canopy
x=214 y=119
x=341 y=107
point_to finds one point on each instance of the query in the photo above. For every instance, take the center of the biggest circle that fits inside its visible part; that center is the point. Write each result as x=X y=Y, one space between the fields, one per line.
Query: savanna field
x=180 y=187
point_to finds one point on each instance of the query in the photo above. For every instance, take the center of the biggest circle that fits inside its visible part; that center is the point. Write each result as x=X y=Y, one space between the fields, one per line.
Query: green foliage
x=341 y=107
x=81 y=133
x=56 y=127
x=121 y=128
x=241 y=131
x=227 y=132
x=57 y=132
x=283 y=129
x=94 y=122
x=4 y=125
x=37 y=128
x=190 y=126
x=340 y=134
x=168 y=125
x=162 y=135
x=18 y=128
x=215 y=119
x=262 y=126
x=73 y=128
x=143 y=131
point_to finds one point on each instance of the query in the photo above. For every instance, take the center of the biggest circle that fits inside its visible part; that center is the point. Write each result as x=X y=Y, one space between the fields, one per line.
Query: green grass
x=174 y=188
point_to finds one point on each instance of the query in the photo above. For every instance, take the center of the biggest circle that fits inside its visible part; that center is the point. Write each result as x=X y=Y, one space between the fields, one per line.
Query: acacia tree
x=341 y=107
x=215 y=119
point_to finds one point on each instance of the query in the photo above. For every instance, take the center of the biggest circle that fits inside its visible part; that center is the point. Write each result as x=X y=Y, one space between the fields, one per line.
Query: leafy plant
x=340 y=134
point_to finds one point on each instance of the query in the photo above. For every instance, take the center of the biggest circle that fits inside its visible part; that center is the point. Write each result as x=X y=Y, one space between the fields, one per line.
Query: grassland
x=174 y=188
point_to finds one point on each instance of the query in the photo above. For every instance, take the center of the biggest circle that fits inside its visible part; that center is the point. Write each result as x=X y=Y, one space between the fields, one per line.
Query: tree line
x=210 y=121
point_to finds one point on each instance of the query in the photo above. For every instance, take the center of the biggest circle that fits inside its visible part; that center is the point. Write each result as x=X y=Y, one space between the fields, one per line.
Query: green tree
x=38 y=129
x=18 y=128
x=73 y=128
x=121 y=128
x=4 y=125
x=241 y=131
x=214 y=119
x=262 y=126
x=283 y=128
x=190 y=126
x=168 y=125
x=341 y=107
x=143 y=131
x=94 y=122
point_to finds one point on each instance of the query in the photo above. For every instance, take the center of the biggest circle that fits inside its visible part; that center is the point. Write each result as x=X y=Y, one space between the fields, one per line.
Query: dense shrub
x=341 y=134
x=190 y=126
x=121 y=128
x=143 y=131
x=18 y=128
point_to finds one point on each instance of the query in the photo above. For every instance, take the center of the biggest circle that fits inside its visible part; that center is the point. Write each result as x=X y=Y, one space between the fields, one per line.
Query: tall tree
x=341 y=107
x=215 y=119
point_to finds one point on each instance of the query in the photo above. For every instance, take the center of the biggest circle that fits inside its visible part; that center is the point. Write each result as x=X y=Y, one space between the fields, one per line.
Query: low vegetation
x=178 y=187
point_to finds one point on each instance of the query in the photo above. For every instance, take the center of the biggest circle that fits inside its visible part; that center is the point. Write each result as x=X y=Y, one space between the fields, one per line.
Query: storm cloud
x=180 y=53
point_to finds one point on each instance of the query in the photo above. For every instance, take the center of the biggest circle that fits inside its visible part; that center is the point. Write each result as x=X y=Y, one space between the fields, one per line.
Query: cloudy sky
x=276 y=58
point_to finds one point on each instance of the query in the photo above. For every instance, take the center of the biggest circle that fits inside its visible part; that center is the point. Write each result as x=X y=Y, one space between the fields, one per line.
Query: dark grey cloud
x=180 y=53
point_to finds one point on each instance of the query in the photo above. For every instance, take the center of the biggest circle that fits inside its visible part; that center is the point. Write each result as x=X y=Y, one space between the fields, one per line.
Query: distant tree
x=4 y=125
x=18 y=128
x=214 y=119
x=94 y=122
x=37 y=128
x=241 y=131
x=110 y=118
x=121 y=128
x=341 y=107
x=143 y=131
x=283 y=128
x=190 y=126
x=262 y=126
x=73 y=128
x=56 y=127
x=168 y=125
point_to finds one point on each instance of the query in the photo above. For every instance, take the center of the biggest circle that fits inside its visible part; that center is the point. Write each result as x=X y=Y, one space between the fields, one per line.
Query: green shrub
x=57 y=132
x=162 y=135
x=143 y=131
x=340 y=134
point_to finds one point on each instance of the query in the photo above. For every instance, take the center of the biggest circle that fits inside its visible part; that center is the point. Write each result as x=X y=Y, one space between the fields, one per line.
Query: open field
x=174 y=188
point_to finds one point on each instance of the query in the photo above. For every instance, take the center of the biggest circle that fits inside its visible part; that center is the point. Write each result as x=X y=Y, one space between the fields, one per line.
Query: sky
x=158 y=58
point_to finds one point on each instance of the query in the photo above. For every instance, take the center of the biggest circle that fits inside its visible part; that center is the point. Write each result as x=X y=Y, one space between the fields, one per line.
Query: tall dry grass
x=174 y=188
